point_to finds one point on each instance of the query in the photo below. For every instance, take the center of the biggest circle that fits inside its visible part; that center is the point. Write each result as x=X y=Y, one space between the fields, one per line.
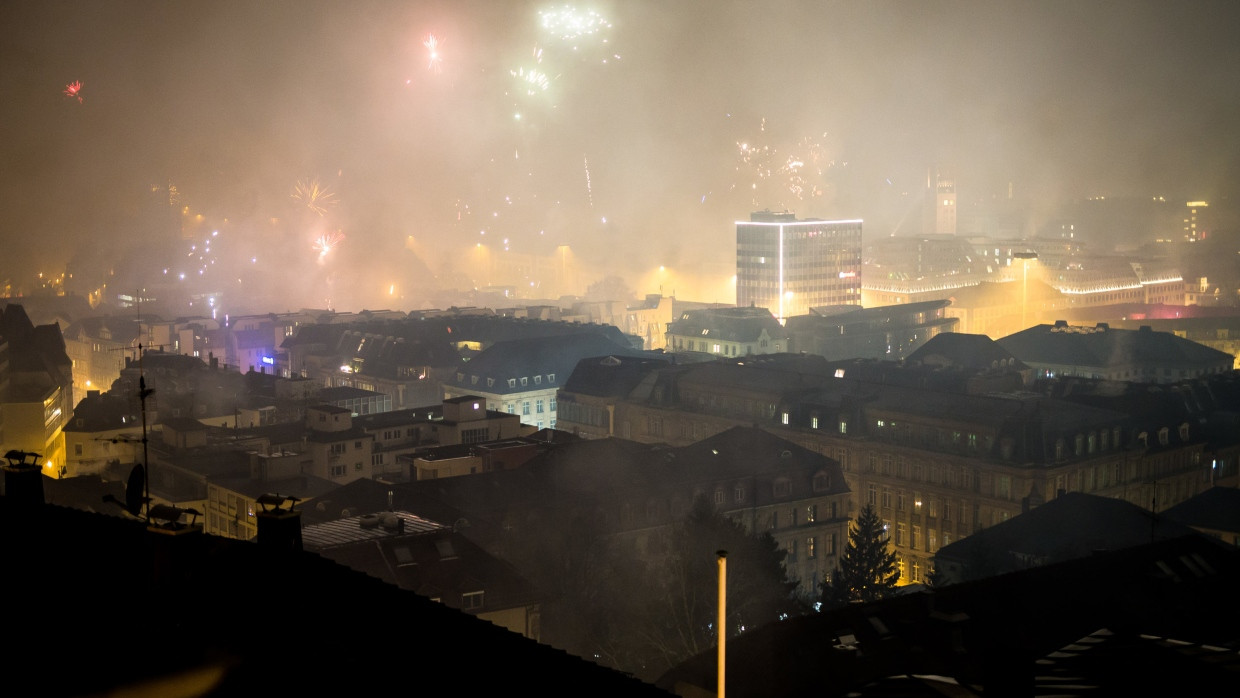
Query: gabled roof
x=421 y=556
x=104 y=412
x=971 y=351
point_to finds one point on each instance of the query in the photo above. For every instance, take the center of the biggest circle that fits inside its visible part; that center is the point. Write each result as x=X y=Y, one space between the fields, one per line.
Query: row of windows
x=512 y=382
x=900 y=501
x=539 y=406
x=813 y=548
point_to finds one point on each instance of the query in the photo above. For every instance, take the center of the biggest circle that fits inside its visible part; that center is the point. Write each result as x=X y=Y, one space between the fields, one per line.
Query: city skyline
x=358 y=151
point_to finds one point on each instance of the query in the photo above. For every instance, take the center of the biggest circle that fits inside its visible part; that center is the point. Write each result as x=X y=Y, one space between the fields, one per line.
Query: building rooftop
x=1102 y=345
x=161 y=582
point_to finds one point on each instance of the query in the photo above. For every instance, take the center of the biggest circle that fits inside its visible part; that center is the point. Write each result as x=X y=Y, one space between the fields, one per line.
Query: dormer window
x=525 y=381
x=550 y=377
x=512 y=382
x=537 y=380
x=705 y=332
x=490 y=382
x=473 y=380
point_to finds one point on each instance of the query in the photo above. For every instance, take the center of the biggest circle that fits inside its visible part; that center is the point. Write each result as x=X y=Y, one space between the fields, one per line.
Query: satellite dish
x=134 y=495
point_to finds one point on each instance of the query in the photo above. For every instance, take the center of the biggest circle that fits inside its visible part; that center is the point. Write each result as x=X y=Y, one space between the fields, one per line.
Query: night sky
x=642 y=135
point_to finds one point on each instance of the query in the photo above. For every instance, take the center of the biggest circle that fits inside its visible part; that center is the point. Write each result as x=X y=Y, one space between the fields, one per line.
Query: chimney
x=278 y=527
x=23 y=478
x=177 y=548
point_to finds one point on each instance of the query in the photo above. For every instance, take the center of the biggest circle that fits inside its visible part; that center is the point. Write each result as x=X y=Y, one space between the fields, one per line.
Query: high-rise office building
x=789 y=266
x=1194 y=225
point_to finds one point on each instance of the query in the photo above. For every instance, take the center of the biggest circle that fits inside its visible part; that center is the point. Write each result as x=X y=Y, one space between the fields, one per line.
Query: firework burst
x=74 y=90
x=569 y=24
x=314 y=196
x=532 y=81
x=434 y=58
x=326 y=243
x=776 y=174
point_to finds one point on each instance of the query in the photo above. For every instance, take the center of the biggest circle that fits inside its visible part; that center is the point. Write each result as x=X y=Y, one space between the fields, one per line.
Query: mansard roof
x=534 y=356
x=611 y=375
x=745 y=324
x=1102 y=345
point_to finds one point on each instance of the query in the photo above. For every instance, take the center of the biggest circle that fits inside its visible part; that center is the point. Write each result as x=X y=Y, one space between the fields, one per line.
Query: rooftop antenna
x=143 y=394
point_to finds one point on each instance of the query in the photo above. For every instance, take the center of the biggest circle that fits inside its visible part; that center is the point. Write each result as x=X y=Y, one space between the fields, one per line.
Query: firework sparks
x=568 y=23
x=314 y=196
x=532 y=81
x=797 y=170
x=589 y=189
x=326 y=243
x=74 y=90
x=434 y=59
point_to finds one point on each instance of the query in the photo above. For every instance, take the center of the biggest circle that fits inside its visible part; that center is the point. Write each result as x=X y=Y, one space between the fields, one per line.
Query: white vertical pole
x=721 y=627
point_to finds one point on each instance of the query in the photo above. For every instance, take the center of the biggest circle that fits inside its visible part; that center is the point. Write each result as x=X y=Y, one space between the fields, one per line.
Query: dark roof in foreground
x=185 y=613
x=1159 y=619
x=1218 y=508
x=1072 y=525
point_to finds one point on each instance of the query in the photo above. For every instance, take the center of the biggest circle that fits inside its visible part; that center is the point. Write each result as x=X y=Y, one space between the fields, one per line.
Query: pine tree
x=867 y=569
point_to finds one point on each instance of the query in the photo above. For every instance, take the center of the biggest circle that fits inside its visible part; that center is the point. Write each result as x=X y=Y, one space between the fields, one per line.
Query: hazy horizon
x=635 y=138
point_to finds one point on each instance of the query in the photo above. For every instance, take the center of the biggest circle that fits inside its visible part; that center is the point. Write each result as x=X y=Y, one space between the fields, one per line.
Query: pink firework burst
x=74 y=89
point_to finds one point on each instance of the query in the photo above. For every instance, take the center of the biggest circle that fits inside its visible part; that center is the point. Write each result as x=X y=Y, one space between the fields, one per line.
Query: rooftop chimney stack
x=23 y=478
x=279 y=527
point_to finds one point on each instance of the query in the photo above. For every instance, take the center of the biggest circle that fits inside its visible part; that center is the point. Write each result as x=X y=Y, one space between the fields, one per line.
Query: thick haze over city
x=366 y=154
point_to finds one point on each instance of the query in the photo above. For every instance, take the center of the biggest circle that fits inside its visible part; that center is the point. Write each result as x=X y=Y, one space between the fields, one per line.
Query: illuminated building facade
x=38 y=389
x=1194 y=229
x=789 y=266
x=938 y=464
